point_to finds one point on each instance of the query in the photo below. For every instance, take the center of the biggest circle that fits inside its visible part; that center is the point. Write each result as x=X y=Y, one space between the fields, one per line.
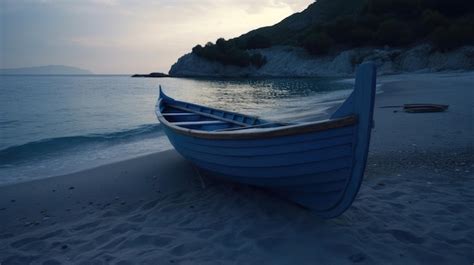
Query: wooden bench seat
x=179 y=114
x=198 y=123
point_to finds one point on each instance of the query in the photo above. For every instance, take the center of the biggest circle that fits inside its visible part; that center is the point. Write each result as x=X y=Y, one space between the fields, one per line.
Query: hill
x=291 y=28
x=45 y=70
x=329 y=27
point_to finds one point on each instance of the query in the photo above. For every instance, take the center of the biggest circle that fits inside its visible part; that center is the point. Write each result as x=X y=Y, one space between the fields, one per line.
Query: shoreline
x=118 y=178
x=85 y=171
x=381 y=82
x=415 y=205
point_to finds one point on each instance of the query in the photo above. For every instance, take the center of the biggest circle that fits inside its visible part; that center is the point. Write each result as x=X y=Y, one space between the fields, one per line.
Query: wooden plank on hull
x=275 y=172
x=276 y=160
x=277 y=141
x=271 y=149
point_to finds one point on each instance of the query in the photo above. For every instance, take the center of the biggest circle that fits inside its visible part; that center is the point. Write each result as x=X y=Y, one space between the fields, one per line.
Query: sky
x=125 y=36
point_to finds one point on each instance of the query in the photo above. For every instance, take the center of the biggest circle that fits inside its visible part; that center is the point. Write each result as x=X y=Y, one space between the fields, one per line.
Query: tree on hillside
x=318 y=43
x=258 y=42
x=394 y=33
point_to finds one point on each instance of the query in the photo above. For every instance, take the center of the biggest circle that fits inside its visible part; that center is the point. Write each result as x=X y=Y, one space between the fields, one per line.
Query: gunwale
x=293 y=129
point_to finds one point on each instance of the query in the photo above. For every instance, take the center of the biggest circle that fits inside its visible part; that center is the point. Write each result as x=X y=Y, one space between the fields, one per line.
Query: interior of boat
x=196 y=117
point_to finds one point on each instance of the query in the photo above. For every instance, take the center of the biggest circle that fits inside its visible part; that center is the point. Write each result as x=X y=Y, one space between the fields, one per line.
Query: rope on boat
x=203 y=184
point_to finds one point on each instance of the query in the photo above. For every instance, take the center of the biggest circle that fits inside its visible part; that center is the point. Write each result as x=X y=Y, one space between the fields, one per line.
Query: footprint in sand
x=405 y=236
x=144 y=240
x=6 y=236
x=87 y=226
x=137 y=218
x=186 y=248
x=358 y=258
x=51 y=262
x=149 y=205
x=20 y=243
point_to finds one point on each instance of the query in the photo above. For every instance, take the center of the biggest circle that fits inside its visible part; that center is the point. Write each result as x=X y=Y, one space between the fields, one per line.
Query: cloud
x=137 y=36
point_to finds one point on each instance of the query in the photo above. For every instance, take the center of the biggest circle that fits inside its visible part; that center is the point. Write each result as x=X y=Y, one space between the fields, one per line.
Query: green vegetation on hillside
x=234 y=52
x=332 y=25
x=397 y=23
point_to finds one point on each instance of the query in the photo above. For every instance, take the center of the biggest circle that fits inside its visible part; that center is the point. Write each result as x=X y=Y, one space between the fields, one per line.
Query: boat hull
x=319 y=167
x=311 y=169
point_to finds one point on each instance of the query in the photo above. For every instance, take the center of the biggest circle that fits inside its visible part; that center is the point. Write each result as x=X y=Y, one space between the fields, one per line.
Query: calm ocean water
x=52 y=125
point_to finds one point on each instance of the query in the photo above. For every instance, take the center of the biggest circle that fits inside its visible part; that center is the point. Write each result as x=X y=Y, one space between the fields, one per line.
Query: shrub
x=399 y=8
x=318 y=43
x=466 y=23
x=340 y=30
x=431 y=20
x=221 y=44
x=258 y=42
x=228 y=53
x=448 y=38
x=394 y=33
x=450 y=8
x=198 y=50
x=236 y=57
x=369 y=21
x=258 y=60
x=361 y=36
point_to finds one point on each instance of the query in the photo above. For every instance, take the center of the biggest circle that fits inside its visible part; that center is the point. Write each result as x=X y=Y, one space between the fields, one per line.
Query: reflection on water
x=51 y=125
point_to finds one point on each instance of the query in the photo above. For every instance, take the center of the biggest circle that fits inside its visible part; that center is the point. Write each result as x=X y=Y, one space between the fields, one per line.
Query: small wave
x=15 y=154
x=8 y=122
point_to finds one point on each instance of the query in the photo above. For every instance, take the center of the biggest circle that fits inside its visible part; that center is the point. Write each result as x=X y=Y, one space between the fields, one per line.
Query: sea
x=55 y=125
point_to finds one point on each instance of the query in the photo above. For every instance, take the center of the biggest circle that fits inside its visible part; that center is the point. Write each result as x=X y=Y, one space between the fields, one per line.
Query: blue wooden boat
x=319 y=165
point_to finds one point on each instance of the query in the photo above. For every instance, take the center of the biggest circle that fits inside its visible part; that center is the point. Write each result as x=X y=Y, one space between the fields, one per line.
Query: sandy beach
x=416 y=205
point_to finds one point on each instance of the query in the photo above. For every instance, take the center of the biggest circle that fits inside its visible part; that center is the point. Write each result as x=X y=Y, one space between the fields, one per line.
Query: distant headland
x=151 y=75
x=45 y=70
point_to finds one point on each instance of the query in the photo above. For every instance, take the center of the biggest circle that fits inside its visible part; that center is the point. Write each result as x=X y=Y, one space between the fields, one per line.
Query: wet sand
x=416 y=205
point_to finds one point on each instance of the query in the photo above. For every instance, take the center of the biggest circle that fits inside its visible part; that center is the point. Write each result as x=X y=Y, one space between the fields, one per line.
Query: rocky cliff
x=287 y=61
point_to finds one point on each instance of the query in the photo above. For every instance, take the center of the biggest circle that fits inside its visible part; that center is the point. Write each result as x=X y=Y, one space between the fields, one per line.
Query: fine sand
x=416 y=205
